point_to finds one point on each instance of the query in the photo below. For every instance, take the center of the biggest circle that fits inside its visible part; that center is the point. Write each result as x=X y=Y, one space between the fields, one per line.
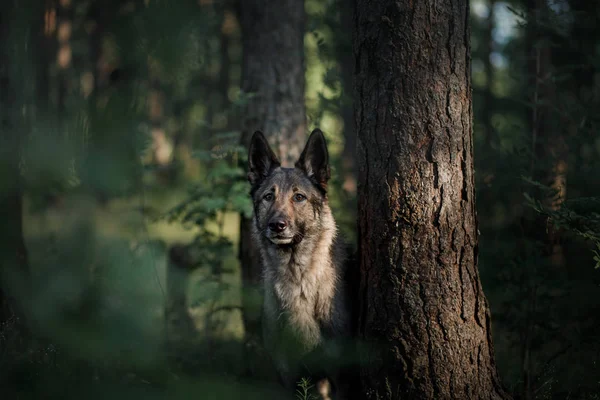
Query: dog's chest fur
x=301 y=288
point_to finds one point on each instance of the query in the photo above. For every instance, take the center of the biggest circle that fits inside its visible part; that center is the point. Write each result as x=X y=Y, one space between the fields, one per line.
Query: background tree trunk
x=423 y=308
x=14 y=271
x=64 y=59
x=273 y=73
x=549 y=167
x=488 y=106
x=549 y=146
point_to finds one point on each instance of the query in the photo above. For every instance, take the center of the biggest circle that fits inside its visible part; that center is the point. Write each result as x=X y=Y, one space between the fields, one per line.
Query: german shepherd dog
x=306 y=309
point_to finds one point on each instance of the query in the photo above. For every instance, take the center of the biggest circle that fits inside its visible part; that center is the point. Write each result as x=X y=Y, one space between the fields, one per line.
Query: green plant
x=580 y=216
x=304 y=390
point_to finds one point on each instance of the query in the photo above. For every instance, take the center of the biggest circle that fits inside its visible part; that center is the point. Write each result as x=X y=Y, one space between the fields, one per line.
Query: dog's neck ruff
x=300 y=282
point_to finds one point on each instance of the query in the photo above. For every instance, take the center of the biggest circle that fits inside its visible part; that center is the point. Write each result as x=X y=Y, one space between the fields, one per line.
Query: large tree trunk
x=273 y=72
x=423 y=308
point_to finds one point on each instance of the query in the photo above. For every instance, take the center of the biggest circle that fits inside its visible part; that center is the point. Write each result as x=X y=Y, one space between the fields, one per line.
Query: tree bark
x=423 y=311
x=273 y=73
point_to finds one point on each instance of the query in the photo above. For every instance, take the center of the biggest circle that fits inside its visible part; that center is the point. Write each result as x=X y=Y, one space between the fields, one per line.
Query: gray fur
x=306 y=307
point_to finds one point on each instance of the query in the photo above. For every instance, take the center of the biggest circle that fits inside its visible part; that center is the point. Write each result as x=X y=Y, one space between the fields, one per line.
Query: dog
x=307 y=310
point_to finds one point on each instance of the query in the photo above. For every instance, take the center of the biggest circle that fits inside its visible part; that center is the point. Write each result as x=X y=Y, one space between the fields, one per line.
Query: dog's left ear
x=314 y=160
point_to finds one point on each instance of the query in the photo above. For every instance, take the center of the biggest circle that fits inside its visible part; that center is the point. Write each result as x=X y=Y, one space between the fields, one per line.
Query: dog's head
x=288 y=202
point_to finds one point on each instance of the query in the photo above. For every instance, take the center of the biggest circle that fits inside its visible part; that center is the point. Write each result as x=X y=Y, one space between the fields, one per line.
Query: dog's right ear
x=261 y=159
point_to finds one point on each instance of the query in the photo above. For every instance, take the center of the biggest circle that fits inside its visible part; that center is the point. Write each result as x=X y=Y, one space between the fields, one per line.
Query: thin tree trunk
x=45 y=48
x=423 y=308
x=64 y=57
x=488 y=105
x=98 y=82
x=548 y=166
x=180 y=330
x=14 y=269
x=550 y=147
x=227 y=27
x=99 y=15
x=14 y=276
x=273 y=73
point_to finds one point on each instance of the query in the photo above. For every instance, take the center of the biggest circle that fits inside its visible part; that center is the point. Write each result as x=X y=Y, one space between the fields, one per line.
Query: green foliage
x=580 y=216
x=329 y=94
x=223 y=190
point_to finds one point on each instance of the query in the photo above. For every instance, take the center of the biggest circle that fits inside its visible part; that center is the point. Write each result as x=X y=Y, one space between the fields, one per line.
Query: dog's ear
x=261 y=159
x=314 y=160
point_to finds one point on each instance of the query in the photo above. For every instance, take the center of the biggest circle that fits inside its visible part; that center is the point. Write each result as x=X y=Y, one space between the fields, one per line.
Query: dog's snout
x=277 y=225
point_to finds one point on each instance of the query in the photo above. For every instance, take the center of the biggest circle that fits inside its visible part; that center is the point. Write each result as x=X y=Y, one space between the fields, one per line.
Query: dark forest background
x=122 y=183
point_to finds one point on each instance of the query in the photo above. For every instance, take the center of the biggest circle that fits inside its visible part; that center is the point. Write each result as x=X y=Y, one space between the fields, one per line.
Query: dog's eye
x=298 y=197
x=268 y=197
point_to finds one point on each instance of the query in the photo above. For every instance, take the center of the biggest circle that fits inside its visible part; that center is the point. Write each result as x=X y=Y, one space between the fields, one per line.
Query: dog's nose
x=277 y=226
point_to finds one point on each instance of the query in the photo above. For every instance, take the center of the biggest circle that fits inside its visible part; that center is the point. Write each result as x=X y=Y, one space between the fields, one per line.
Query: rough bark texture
x=423 y=309
x=273 y=71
